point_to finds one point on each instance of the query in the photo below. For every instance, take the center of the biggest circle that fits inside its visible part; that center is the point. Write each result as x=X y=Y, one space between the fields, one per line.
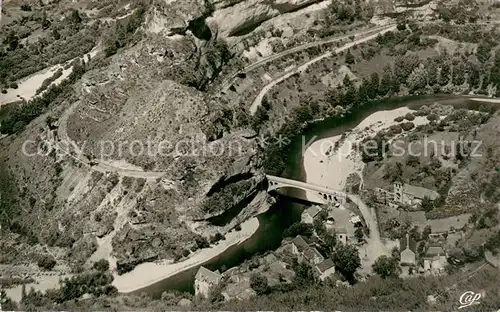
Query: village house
x=205 y=280
x=325 y=269
x=408 y=250
x=403 y=193
x=309 y=214
x=303 y=251
x=238 y=288
x=435 y=260
x=412 y=195
x=299 y=244
x=312 y=255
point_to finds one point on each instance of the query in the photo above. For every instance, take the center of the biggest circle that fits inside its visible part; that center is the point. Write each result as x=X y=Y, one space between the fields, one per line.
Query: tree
x=415 y=234
x=426 y=232
x=374 y=86
x=25 y=7
x=444 y=75
x=349 y=58
x=386 y=82
x=201 y=242
x=359 y=234
x=46 y=262
x=404 y=66
x=483 y=52
x=259 y=284
x=427 y=204
x=299 y=228
x=395 y=253
x=101 y=265
x=386 y=267
x=12 y=40
x=304 y=274
x=347 y=261
x=75 y=17
x=417 y=80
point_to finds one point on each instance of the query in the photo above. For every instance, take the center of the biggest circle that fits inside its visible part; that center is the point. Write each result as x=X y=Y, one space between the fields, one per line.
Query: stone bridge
x=322 y=195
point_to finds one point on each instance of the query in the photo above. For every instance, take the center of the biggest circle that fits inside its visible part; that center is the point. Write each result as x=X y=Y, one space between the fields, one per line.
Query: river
x=285 y=212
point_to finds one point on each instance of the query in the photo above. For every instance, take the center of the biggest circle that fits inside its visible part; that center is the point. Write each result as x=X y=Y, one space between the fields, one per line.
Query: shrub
x=399 y=119
x=349 y=58
x=46 y=262
x=215 y=238
x=299 y=228
x=347 y=261
x=14 y=85
x=25 y=7
x=386 y=267
x=259 y=284
x=432 y=117
x=407 y=126
x=101 y=265
x=201 y=242
x=410 y=117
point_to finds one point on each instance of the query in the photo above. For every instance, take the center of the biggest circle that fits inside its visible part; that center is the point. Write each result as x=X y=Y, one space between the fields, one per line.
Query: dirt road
x=374 y=247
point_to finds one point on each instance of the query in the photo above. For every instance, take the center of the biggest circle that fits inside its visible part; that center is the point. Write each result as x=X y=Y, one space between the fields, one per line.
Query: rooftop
x=206 y=274
x=407 y=242
x=434 y=251
x=300 y=242
x=311 y=253
x=313 y=211
x=325 y=265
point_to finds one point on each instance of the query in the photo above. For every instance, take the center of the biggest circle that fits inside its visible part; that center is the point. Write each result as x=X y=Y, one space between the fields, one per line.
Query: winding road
x=66 y=144
x=298 y=69
x=231 y=79
x=71 y=149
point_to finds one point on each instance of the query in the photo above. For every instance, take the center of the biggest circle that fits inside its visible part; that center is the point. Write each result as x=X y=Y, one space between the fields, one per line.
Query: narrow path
x=258 y=100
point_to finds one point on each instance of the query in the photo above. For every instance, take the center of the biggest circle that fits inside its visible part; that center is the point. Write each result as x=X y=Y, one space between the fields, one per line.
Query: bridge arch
x=323 y=195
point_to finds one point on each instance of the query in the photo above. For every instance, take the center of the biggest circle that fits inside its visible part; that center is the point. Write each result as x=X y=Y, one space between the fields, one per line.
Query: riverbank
x=329 y=167
x=28 y=86
x=147 y=274
x=330 y=160
x=43 y=283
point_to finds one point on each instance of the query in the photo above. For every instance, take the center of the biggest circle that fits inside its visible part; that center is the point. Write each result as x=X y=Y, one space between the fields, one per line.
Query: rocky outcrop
x=171 y=17
x=243 y=17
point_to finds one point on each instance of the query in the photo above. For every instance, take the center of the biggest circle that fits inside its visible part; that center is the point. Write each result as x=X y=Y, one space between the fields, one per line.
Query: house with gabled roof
x=325 y=268
x=312 y=255
x=205 y=280
x=435 y=259
x=309 y=214
x=299 y=244
x=411 y=194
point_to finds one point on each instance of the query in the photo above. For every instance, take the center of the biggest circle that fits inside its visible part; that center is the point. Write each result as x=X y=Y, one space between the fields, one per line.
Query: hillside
x=127 y=128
